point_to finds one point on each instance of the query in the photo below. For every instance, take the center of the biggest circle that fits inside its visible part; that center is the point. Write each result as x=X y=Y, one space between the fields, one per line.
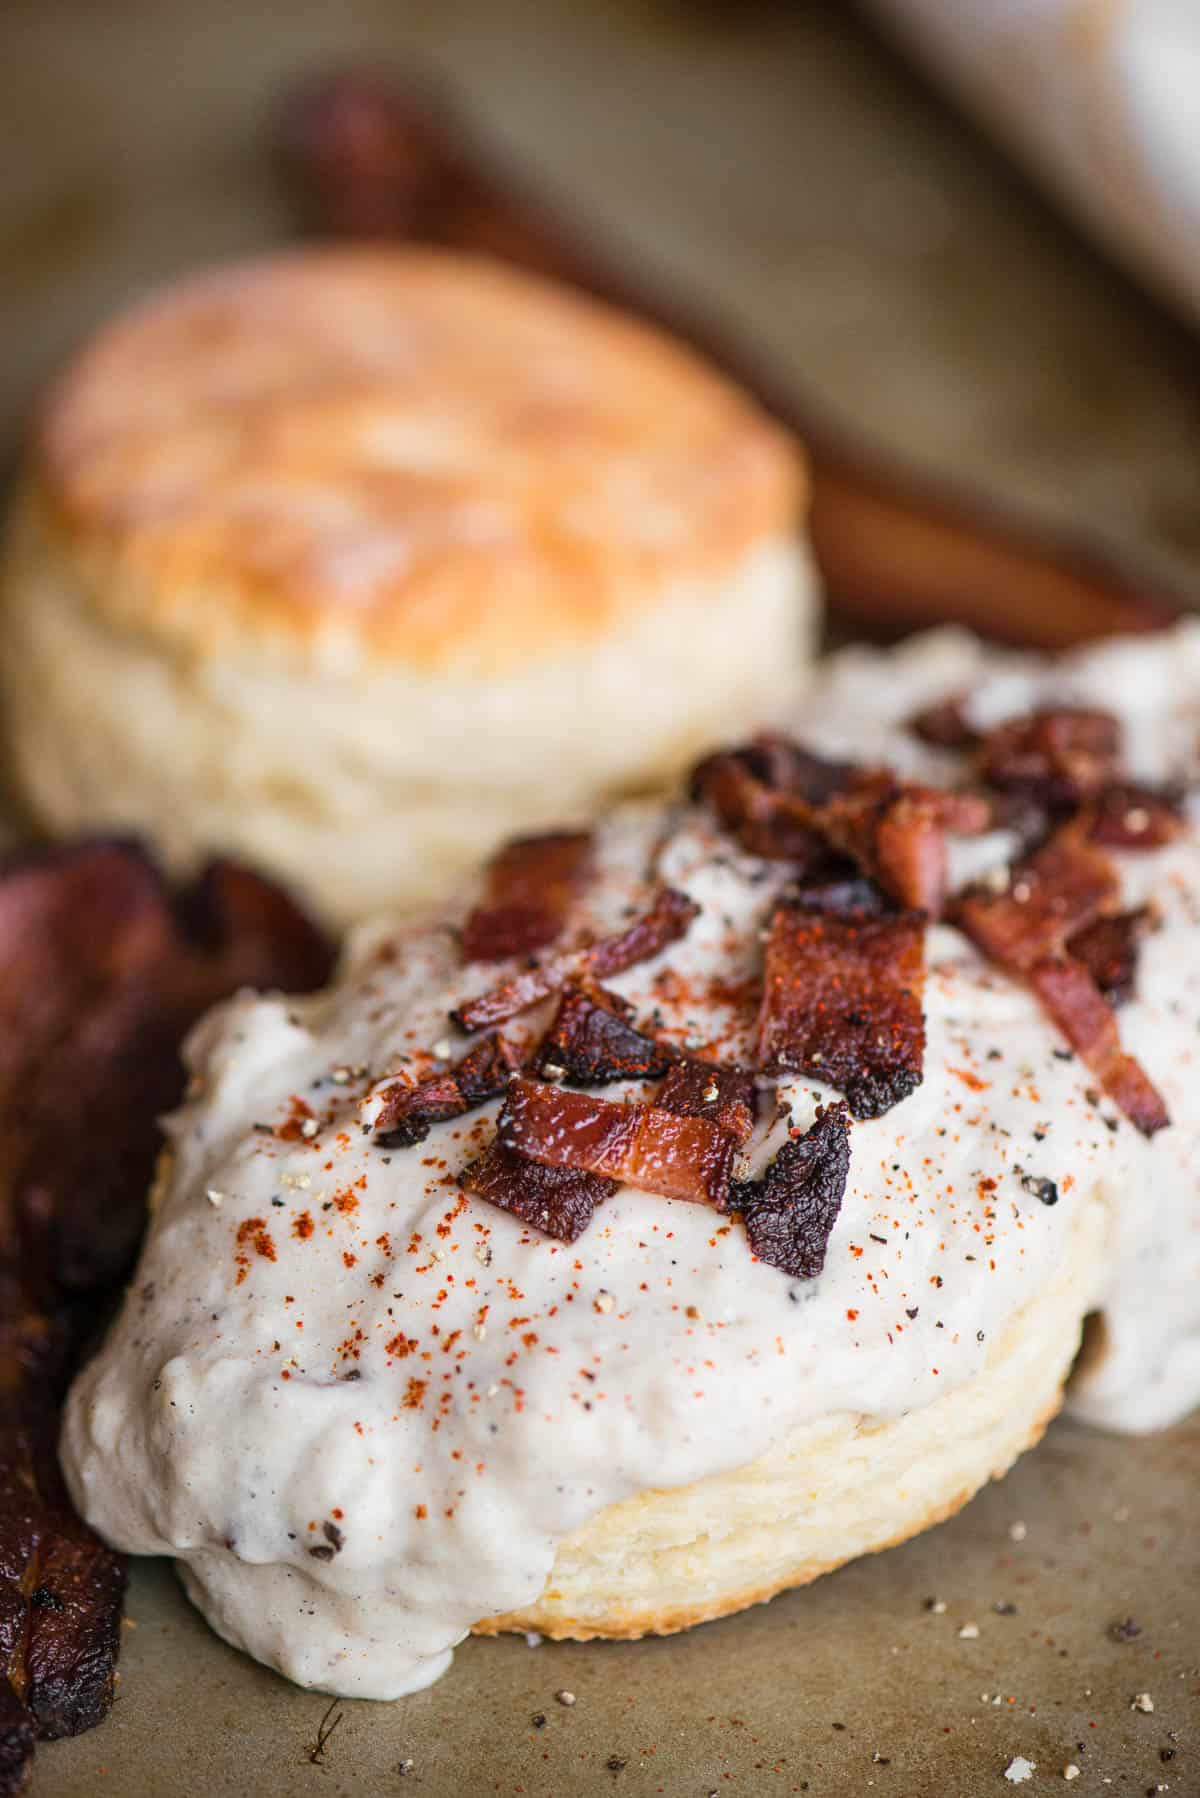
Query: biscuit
x=352 y=562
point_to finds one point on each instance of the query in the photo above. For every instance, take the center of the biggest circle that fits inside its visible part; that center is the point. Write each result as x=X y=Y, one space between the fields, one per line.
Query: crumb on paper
x=1019 y=1769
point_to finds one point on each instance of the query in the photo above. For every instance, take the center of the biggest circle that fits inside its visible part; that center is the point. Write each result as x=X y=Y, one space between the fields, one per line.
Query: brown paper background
x=774 y=158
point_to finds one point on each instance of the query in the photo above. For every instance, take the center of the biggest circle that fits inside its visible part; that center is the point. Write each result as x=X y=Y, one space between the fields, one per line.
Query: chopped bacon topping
x=664 y=923
x=896 y=832
x=1052 y=902
x=591 y=1042
x=766 y=821
x=944 y=725
x=765 y=792
x=673 y=1154
x=789 y=1214
x=789 y=766
x=409 y=1112
x=1072 y=998
x=1108 y=950
x=1128 y=817
x=783 y=803
x=1049 y=897
x=530 y=885
x=727 y=1096
x=1063 y=755
x=558 y=1201
x=842 y=1002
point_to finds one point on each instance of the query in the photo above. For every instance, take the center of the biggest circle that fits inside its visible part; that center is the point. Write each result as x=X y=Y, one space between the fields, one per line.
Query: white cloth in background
x=1101 y=98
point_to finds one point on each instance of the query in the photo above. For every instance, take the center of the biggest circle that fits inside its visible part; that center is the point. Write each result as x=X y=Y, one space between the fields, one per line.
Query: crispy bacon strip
x=727 y=1096
x=667 y=919
x=1054 y=900
x=1061 y=755
x=591 y=1042
x=558 y=1201
x=75 y=1587
x=369 y=157
x=677 y=1156
x=789 y=1214
x=1048 y=899
x=842 y=1002
x=102 y=971
x=1108 y=950
x=531 y=883
x=410 y=1112
x=1072 y=998
x=1131 y=817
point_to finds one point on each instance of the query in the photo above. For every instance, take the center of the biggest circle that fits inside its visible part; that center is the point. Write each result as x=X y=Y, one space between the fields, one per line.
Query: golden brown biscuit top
x=418 y=453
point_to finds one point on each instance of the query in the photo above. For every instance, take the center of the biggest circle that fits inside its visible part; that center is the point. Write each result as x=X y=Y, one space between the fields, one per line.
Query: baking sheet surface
x=799 y=1695
x=792 y=171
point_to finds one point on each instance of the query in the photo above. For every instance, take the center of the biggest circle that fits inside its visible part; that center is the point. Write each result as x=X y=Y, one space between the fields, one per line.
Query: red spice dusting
x=414 y=1395
x=421 y=1513
x=302 y=1226
x=852 y=1315
x=349 y=1260
x=345 y=1201
x=970 y=1080
x=291 y=1129
x=252 y=1233
x=401 y=1345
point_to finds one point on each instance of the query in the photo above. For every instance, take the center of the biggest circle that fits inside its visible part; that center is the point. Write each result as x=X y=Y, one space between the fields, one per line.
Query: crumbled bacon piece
x=1108 y=950
x=944 y=725
x=673 y=1154
x=896 y=832
x=1049 y=897
x=1128 y=817
x=767 y=822
x=409 y=1112
x=667 y=919
x=842 y=1003
x=1063 y=755
x=530 y=885
x=765 y=792
x=789 y=766
x=789 y=1214
x=700 y=1089
x=1072 y=998
x=591 y=1042
x=784 y=803
x=558 y=1201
